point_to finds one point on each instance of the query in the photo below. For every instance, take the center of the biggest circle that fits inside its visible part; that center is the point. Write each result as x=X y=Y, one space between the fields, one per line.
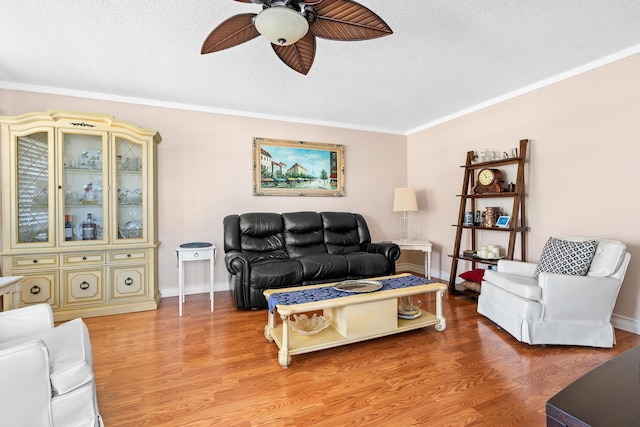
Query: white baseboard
x=626 y=324
x=406 y=266
x=419 y=268
x=194 y=289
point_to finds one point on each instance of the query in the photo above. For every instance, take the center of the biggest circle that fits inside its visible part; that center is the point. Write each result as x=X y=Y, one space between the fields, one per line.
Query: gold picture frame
x=297 y=168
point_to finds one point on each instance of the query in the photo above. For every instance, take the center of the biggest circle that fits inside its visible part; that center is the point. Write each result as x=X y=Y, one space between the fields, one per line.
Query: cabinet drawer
x=128 y=282
x=40 y=288
x=34 y=261
x=84 y=286
x=83 y=258
x=125 y=256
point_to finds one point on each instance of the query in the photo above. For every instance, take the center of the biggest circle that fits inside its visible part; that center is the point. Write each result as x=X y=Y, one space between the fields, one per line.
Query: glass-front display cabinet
x=79 y=212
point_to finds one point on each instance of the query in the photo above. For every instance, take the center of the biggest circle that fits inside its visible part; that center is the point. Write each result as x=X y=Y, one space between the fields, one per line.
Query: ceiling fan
x=293 y=25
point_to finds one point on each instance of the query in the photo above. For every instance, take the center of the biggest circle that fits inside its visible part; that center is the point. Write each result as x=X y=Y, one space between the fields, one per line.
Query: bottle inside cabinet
x=89 y=229
x=68 y=227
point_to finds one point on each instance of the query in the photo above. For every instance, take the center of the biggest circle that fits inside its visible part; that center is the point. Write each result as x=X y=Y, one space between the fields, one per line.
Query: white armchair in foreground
x=46 y=373
x=556 y=308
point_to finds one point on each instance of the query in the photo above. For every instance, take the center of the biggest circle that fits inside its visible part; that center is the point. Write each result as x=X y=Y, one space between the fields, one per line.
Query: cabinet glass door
x=83 y=217
x=130 y=189
x=33 y=189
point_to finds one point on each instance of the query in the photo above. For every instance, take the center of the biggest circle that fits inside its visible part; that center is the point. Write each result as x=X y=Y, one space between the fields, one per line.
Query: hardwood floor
x=205 y=369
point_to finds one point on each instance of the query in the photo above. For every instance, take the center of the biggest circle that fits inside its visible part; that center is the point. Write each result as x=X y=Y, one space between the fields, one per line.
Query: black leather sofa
x=270 y=250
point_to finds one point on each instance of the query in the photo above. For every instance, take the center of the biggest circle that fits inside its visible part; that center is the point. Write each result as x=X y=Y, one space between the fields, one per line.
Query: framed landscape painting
x=297 y=168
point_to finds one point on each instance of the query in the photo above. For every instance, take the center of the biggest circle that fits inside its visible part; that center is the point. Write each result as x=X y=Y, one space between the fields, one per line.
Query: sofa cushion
x=525 y=287
x=340 y=232
x=279 y=273
x=323 y=266
x=261 y=236
x=566 y=257
x=363 y=264
x=303 y=234
x=609 y=255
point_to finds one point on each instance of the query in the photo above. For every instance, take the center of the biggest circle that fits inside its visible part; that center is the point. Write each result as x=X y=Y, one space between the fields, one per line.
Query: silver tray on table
x=358 y=286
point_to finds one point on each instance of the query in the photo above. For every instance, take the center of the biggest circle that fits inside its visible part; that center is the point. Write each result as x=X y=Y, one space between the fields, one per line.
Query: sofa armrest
x=25 y=390
x=236 y=263
x=578 y=298
x=519 y=268
x=388 y=249
x=25 y=321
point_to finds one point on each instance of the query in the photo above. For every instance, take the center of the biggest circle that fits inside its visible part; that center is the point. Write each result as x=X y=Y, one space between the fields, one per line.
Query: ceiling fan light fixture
x=281 y=26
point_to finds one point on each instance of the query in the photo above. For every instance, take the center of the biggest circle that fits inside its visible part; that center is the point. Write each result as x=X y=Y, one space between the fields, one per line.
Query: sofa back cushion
x=303 y=234
x=341 y=232
x=608 y=257
x=262 y=236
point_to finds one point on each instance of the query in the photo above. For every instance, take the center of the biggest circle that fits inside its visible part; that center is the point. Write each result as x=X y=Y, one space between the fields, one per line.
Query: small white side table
x=196 y=251
x=10 y=285
x=418 y=245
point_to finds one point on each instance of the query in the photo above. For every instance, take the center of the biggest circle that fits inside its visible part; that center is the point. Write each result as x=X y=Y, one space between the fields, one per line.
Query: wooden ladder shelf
x=518 y=222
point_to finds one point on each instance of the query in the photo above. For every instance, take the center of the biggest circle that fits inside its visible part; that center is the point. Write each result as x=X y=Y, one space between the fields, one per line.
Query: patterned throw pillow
x=565 y=257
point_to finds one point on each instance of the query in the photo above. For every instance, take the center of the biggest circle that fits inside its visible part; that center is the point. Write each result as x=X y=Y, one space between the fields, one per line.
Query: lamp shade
x=281 y=25
x=404 y=199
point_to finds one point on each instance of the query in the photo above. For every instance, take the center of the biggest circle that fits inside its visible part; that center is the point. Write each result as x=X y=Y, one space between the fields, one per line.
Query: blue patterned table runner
x=328 y=292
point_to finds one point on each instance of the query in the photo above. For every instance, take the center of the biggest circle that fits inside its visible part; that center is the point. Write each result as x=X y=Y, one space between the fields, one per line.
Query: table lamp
x=404 y=200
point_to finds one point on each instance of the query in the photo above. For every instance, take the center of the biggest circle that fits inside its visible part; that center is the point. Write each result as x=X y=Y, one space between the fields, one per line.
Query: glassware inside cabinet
x=33 y=187
x=130 y=189
x=83 y=177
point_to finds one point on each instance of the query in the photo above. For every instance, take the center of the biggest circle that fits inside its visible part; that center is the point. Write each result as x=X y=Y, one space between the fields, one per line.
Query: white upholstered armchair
x=46 y=373
x=569 y=302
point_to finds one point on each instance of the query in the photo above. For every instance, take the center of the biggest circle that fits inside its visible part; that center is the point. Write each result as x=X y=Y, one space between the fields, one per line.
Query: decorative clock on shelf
x=489 y=181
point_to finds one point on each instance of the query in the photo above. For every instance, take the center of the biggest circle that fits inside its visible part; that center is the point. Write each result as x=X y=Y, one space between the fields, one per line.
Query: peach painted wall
x=582 y=174
x=205 y=163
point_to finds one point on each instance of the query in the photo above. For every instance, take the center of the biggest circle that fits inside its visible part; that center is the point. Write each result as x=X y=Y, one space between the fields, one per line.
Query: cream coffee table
x=355 y=317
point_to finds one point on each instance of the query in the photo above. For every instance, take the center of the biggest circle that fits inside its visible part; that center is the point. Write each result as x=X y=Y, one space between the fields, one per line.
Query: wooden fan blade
x=347 y=20
x=232 y=32
x=300 y=55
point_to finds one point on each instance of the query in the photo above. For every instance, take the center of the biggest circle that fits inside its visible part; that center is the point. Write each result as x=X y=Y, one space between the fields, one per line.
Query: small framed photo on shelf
x=503 y=221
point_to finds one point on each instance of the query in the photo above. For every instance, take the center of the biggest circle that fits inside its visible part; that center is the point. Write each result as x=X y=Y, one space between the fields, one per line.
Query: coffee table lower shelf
x=331 y=337
x=354 y=319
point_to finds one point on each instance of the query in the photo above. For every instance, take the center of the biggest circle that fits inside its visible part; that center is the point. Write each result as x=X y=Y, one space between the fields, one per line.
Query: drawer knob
x=84 y=258
x=35 y=289
x=128 y=281
x=128 y=255
x=84 y=285
x=196 y=254
x=35 y=261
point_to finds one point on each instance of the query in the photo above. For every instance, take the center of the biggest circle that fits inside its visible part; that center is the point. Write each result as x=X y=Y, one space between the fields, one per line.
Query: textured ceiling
x=445 y=56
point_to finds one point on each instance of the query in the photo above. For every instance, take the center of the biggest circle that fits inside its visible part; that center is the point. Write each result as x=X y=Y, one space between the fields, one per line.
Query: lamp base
x=404 y=226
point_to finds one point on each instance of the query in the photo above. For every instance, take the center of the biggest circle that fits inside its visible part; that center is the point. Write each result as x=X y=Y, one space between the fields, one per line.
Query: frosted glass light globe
x=281 y=26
